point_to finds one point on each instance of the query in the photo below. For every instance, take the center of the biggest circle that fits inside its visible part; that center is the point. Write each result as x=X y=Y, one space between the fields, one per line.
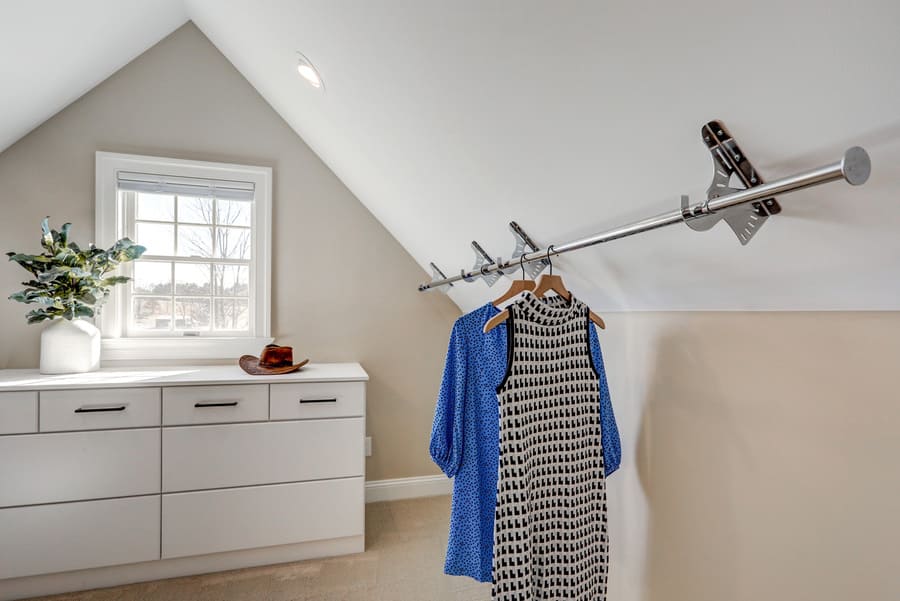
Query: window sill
x=177 y=349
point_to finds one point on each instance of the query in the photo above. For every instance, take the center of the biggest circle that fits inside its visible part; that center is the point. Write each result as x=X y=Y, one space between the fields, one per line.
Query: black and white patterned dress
x=550 y=529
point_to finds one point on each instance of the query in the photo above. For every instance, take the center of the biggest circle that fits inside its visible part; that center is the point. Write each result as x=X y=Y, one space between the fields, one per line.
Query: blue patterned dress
x=465 y=436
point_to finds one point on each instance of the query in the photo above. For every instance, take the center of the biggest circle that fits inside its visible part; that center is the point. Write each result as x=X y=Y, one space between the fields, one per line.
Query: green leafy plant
x=68 y=281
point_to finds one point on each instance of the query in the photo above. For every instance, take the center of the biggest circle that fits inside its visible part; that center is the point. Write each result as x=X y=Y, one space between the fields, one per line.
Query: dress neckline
x=550 y=313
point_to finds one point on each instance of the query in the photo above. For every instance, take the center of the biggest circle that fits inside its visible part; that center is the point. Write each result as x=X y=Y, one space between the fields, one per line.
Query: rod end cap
x=856 y=166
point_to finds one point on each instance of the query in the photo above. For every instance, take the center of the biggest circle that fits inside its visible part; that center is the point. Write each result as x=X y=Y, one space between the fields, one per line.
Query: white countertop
x=182 y=375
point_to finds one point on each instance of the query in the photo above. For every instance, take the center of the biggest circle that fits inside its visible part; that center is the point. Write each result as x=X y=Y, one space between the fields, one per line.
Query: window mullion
x=174 y=284
x=212 y=281
x=126 y=305
x=215 y=225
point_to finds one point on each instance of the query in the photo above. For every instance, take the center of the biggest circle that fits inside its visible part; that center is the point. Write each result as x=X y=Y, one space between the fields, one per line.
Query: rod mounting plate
x=524 y=244
x=730 y=168
x=482 y=259
x=437 y=274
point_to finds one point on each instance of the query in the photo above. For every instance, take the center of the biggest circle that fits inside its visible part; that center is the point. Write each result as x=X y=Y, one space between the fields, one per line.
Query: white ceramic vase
x=70 y=347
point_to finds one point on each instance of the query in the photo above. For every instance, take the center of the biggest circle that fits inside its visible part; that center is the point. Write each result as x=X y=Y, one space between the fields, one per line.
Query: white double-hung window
x=201 y=290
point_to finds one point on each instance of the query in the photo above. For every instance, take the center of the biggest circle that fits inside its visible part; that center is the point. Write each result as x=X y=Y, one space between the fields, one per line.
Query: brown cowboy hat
x=273 y=360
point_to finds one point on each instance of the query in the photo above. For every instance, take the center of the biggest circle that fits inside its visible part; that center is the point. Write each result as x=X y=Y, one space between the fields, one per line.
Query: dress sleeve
x=612 y=445
x=447 y=430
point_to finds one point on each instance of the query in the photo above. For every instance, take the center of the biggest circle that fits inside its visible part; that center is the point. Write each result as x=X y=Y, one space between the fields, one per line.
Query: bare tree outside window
x=196 y=274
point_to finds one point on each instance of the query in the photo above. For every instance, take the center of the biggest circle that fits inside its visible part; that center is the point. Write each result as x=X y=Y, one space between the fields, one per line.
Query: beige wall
x=761 y=456
x=343 y=288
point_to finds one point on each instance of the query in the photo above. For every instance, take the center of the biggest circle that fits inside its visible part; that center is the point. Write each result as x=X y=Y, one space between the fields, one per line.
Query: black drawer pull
x=88 y=409
x=318 y=400
x=216 y=404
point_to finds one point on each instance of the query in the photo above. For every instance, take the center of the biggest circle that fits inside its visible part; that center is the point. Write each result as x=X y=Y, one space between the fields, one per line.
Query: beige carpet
x=404 y=558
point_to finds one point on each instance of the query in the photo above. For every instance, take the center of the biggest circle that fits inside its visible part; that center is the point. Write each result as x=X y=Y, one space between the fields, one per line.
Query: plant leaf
x=39 y=315
x=113 y=280
x=81 y=310
x=87 y=297
x=64 y=234
x=23 y=258
x=47 y=235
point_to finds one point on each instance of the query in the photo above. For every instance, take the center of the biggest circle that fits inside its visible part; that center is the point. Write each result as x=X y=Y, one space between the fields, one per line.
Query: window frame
x=110 y=225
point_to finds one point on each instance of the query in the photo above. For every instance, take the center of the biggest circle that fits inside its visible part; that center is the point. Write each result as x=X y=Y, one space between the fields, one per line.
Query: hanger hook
x=549 y=249
x=522 y=264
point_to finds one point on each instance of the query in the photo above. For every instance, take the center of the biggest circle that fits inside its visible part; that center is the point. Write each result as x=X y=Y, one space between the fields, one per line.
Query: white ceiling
x=447 y=120
x=52 y=52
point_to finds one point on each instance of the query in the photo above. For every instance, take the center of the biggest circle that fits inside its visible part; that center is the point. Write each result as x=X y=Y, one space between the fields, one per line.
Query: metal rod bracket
x=524 y=244
x=482 y=260
x=729 y=162
x=436 y=276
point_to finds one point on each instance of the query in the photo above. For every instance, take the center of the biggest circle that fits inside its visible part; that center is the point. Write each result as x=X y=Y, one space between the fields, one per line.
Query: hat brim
x=250 y=364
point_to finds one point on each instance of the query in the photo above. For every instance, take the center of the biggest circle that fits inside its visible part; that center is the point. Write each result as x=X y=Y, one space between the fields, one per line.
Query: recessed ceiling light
x=308 y=72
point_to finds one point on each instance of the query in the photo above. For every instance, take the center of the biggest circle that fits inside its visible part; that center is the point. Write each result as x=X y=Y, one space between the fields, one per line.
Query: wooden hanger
x=517 y=287
x=555 y=283
x=547 y=283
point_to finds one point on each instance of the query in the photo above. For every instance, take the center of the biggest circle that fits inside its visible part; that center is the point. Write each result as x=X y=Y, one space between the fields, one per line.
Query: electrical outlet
x=368 y=446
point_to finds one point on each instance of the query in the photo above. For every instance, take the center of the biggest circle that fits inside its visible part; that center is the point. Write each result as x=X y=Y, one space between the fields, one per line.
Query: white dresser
x=125 y=475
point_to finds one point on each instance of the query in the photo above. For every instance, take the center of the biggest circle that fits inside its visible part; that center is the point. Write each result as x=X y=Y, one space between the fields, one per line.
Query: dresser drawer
x=202 y=457
x=99 y=409
x=73 y=466
x=261 y=516
x=74 y=536
x=18 y=412
x=318 y=399
x=215 y=404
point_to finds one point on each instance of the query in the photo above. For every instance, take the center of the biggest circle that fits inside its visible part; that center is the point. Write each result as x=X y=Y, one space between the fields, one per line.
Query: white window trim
x=110 y=226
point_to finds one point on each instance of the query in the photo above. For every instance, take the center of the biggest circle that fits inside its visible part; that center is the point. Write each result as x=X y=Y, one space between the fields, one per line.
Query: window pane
x=192 y=278
x=232 y=280
x=155 y=207
x=152 y=277
x=151 y=313
x=194 y=241
x=233 y=212
x=157 y=237
x=232 y=243
x=195 y=210
x=191 y=313
x=232 y=314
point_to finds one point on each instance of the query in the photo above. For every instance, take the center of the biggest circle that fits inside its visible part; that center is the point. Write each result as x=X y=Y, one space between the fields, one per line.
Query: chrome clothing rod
x=854 y=168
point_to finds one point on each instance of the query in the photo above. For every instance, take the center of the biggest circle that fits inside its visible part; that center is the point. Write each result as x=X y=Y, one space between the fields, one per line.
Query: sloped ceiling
x=449 y=119
x=53 y=52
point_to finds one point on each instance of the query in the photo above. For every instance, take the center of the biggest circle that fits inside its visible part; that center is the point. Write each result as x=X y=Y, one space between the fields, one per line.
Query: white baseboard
x=408 y=488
